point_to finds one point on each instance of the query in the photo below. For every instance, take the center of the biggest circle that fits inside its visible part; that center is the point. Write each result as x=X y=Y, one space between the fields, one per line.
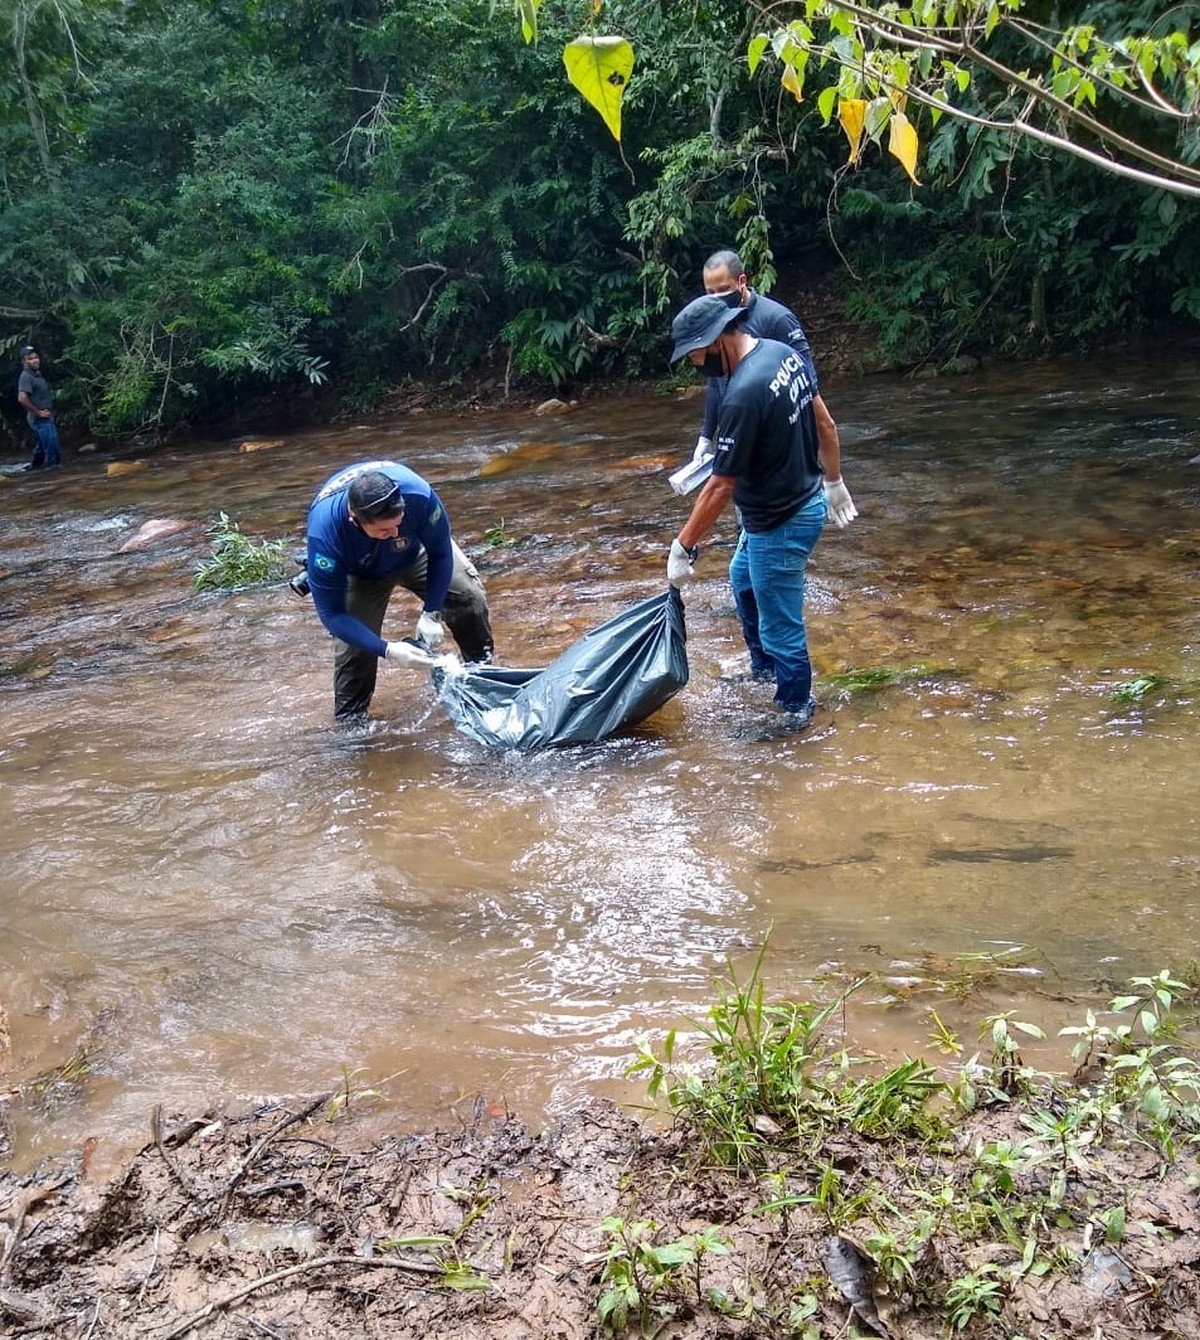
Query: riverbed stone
x=151 y=532
x=552 y=406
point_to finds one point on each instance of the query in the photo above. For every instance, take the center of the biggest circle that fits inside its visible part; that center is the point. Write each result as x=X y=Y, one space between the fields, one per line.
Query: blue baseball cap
x=700 y=322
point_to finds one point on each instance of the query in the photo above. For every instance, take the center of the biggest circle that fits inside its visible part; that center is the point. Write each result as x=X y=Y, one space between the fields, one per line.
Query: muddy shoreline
x=274 y=1221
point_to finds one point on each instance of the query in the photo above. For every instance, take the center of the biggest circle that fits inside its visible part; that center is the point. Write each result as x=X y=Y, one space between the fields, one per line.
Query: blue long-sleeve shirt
x=338 y=549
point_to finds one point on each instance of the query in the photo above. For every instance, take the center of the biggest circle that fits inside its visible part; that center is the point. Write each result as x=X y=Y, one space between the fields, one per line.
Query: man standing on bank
x=372 y=527
x=778 y=458
x=35 y=398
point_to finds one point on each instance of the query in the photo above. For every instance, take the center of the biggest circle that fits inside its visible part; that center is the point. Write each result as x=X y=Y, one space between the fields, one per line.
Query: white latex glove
x=409 y=655
x=680 y=563
x=430 y=630
x=840 y=503
x=704 y=449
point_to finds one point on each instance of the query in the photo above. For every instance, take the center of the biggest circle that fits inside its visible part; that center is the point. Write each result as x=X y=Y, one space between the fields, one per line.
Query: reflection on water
x=206 y=892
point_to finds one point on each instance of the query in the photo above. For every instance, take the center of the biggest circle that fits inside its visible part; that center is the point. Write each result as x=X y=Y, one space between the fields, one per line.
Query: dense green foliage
x=210 y=200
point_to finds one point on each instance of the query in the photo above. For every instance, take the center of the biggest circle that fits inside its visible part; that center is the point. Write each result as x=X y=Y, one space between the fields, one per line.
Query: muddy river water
x=207 y=893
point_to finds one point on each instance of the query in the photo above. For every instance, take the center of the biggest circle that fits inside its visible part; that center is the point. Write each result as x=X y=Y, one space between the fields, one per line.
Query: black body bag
x=614 y=676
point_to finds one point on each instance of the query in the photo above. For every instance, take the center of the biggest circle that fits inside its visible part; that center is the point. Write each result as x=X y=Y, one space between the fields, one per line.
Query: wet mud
x=274 y=1222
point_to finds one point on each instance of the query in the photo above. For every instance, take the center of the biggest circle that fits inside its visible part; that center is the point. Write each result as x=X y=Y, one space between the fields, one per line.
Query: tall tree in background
x=229 y=198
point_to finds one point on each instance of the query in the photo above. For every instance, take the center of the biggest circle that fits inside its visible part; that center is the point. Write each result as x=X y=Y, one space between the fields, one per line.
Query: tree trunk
x=37 y=123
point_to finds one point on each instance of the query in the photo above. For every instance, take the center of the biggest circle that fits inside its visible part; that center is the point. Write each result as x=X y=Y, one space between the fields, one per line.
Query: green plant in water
x=943 y=1037
x=497 y=537
x=64 y=1084
x=342 y=1100
x=1006 y=1076
x=871 y=681
x=1134 y=690
x=237 y=560
x=27 y=665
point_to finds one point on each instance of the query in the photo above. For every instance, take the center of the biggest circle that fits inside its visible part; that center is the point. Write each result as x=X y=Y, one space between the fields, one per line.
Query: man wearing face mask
x=778 y=458
x=724 y=277
x=372 y=527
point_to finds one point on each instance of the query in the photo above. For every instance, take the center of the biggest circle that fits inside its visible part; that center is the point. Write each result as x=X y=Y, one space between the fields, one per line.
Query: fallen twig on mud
x=292 y=1119
x=179 y=1137
x=20 y=1209
x=19 y=1308
x=366 y=1262
x=177 y=1177
x=269 y=1188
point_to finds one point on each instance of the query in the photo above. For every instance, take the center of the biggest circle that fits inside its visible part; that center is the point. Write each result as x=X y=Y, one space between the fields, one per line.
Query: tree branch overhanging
x=883 y=31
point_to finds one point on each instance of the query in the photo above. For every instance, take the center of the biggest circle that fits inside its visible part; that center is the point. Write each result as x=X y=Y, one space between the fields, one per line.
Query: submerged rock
x=552 y=406
x=150 y=532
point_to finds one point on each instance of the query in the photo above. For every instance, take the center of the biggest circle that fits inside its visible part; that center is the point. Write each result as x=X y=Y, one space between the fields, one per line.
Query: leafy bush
x=237 y=560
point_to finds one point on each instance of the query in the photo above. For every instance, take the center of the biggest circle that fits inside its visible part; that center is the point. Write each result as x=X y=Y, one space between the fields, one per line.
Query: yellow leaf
x=852 y=113
x=791 y=82
x=599 y=67
x=902 y=144
x=528 y=10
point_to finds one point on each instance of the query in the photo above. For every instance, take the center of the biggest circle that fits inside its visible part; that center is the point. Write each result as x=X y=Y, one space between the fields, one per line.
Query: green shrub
x=237 y=560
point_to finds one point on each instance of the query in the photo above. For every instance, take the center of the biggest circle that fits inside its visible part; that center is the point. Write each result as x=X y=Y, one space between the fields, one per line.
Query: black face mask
x=712 y=365
x=731 y=299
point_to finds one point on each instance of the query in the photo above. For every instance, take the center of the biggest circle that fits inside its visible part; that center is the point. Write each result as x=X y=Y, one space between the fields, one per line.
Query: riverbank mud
x=271 y=1222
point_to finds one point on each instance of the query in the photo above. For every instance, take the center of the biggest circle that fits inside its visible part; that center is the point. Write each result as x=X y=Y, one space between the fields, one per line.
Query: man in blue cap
x=372 y=527
x=35 y=398
x=778 y=458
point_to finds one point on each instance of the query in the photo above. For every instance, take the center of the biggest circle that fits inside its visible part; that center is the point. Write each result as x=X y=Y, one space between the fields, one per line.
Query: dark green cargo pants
x=465 y=613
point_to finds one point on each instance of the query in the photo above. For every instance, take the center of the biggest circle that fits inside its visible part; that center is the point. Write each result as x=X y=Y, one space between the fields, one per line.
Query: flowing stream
x=208 y=894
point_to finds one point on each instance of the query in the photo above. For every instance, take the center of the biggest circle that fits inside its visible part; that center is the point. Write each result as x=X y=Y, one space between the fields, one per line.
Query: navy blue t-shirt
x=769 y=320
x=337 y=549
x=767 y=435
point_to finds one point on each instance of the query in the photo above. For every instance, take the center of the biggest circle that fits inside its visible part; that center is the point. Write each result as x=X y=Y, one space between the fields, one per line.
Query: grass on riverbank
x=959 y=1199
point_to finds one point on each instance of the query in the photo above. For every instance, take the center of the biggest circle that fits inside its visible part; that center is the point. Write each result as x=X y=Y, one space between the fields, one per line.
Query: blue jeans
x=767 y=575
x=45 y=446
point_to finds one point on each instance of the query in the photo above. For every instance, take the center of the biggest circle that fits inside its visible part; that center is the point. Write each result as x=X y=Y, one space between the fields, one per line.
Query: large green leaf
x=600 y=67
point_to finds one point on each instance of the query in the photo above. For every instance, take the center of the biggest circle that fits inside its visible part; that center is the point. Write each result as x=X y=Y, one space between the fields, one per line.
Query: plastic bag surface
x=614 y=676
